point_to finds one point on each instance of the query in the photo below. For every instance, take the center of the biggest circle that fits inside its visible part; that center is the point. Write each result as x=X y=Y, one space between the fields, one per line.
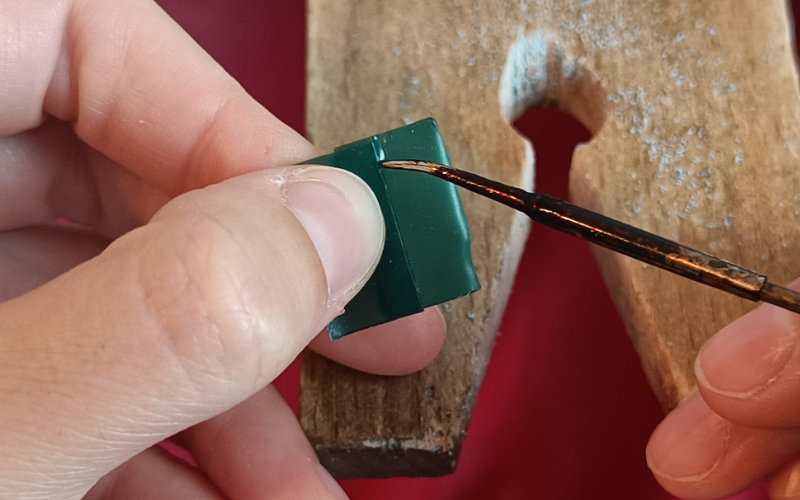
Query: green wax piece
x=427 y=258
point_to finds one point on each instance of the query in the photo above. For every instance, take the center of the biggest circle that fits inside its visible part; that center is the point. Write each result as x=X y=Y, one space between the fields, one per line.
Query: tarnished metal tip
x=781 y=297
x=421 y=166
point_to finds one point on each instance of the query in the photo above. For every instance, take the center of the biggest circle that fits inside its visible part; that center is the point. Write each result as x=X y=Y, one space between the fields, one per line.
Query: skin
x=197 y=266
x=743 y=423
x=193 y=275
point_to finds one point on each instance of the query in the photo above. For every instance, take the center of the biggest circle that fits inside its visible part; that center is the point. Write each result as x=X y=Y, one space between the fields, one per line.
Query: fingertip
x=748 y=372
x=401 y=347
x=747 y=355
x=688 y=444
x=344 y=221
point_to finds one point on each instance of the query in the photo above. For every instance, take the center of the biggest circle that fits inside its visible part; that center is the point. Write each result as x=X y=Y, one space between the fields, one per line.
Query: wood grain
x=695 y=116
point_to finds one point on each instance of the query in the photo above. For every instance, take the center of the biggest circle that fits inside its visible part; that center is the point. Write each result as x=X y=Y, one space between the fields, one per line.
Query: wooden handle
x=694 y=111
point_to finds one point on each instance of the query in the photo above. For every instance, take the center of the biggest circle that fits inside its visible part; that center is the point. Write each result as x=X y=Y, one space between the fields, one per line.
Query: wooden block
x=696 y=123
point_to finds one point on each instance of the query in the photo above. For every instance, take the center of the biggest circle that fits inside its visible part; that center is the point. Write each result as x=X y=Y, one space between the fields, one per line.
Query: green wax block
x=427 y=258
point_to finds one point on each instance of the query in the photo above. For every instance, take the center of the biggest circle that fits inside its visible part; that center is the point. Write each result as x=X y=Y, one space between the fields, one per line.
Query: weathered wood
x=694 y=107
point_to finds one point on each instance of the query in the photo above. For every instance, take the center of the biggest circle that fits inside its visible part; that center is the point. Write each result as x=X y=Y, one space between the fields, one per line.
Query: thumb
x=177 y=321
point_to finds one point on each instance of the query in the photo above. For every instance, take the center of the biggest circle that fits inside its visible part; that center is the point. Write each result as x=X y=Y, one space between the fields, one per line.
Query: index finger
x=139 y=90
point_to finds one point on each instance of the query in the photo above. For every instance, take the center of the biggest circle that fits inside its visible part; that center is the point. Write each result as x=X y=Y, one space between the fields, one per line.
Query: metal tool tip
x=781 y=297
x=421 y=166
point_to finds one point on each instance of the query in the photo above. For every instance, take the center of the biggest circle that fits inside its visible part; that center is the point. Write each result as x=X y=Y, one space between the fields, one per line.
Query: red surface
x=565 y=411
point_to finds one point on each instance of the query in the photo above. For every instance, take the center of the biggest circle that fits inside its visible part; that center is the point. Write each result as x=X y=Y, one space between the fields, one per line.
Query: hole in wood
x=540 y=72
x=555 y=134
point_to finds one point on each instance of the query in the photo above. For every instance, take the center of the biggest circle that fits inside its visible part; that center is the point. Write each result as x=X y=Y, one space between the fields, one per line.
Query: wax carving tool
x=618 y=236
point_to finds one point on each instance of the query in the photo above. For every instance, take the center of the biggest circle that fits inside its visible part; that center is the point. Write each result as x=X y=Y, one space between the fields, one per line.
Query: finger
x=401 y=347
x=31 y=34
x=749 y=372
x=257 y=451
x=179 y=320
x=696 y=454
x=394 y=349
x=47 y=173
x=784 y=483
x=154 y=474
x=33 y=256
x=140 y=91
x=30 y=169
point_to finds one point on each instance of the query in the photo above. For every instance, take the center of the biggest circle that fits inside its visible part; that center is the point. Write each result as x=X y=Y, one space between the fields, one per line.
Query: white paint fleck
x=680 y=37
x=678 y=176
x=722 y=87
x=639 y=207
x=739 y=158
x=728 y=220
x=692 y=204
x=525 y=76
x=569 y=70
x=672 y=214
x=704 y=173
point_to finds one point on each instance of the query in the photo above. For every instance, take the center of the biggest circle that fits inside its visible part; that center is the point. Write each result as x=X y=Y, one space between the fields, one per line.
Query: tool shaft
x=620 y=237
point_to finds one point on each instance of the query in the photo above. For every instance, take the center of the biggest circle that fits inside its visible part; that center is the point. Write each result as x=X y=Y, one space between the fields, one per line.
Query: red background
x=565 y=411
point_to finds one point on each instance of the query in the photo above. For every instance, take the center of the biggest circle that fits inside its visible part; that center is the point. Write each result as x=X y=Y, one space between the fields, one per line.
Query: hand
x=744 y=422
x=199 y=266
